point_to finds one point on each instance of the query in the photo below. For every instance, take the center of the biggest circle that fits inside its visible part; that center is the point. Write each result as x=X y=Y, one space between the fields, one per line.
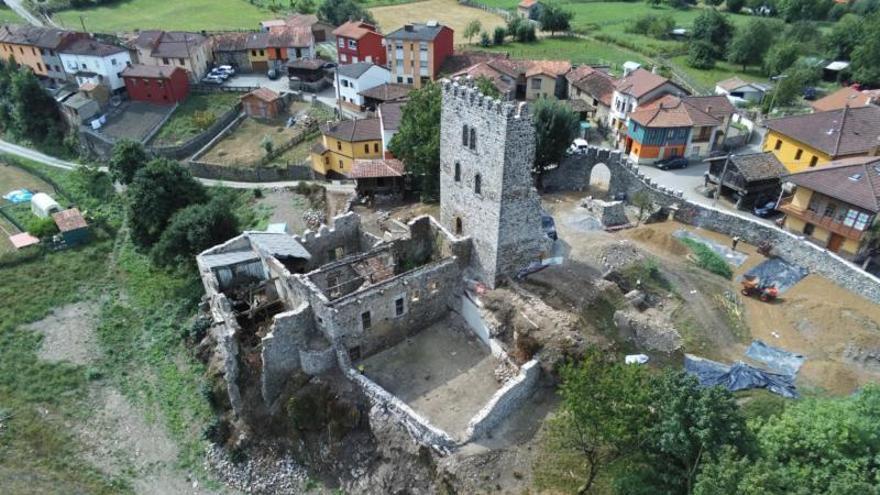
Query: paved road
x=36 y=156
x=23 y=12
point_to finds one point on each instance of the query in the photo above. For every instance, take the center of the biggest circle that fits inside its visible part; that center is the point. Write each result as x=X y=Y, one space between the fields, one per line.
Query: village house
x=190 y=51
x=845 y=97
x=359 y=41
x=262 y=103
x=637 y=87
x=307 y=74
x=344 y=142
x=529 y=9
x=321 y=30
x=273 y=49
x=522 y=79
x=378 y=176
x=352 y=79
x=741 y=91
x=78 y=109
x=156 y=83
x=232 y=49
x=669 y=127
x=385 y=93
x=836 y=205
x=595 y=87
x=502 y=77
x=804 y=141
x=93 y=61
x=37 y=48
x=546 y=78
x=390 y=115
x=753 y=178
x=416 y=52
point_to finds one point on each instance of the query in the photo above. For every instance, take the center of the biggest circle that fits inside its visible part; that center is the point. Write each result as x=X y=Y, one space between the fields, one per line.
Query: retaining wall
x=206 y=170
x=505 y=401
x=189 y=147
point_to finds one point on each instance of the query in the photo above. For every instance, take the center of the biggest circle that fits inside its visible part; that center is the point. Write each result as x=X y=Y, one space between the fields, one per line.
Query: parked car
x=672 y=163
x=549 y=226
x=219 y=74
x=227 y=69
x=329 y=65
x=764 y=209
x=578 y=147
x=209 y=79
x=273 y=74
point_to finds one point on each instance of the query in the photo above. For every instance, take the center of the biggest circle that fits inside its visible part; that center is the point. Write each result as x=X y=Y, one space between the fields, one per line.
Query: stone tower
x=487 y=148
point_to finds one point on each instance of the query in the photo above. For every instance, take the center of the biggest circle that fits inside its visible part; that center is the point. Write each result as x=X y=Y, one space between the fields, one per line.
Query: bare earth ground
x=447 y=12
x=117 y=438
x=443 y=372
x=242 y=147
x=376 y=219
x=287 y=207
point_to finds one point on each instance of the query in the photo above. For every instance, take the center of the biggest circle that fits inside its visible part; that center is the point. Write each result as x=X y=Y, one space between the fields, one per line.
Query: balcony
x=827 y=223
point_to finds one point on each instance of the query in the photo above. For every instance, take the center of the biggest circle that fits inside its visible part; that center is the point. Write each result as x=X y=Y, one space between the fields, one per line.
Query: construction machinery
x=752 y=287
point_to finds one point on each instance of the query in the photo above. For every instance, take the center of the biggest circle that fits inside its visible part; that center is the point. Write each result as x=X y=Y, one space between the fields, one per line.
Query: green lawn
x=192 y=15
x=7 y=16
x=578 y=51
x=182 y=126
x=722 y=71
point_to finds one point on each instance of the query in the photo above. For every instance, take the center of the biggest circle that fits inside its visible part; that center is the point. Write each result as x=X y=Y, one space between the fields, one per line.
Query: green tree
x=750 y=43
x=513 y=25
x=866 y=56
x=525 y=33
x=303 y=6
x=485 y=39
x=555 y=128
x=789 y=88
x=41 y=227
x=338 y=12
x=498 y=35
x=35 y=114
x=604 y=403
x=714 y=3
x=713 y=28
x=701 y=55
x=158 y=191
x=555 y=19
x=193 y=229
x=126 y=158
x=688 y=425
x=417 y=141
x=780 y=56
x=734 y=6
x=487 y=87
x=845 y=35
x=472 y=29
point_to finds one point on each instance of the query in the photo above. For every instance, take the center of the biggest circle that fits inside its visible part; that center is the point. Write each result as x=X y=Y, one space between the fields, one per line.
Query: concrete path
x=24 y=13
x=36 y=156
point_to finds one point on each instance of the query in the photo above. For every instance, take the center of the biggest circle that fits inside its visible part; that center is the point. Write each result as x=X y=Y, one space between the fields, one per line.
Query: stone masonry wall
x=503 y=219
x=281 y=346
x=505 y=401
x=345 y=233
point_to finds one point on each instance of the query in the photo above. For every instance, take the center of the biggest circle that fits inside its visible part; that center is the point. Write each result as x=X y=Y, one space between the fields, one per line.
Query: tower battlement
x=465 y=90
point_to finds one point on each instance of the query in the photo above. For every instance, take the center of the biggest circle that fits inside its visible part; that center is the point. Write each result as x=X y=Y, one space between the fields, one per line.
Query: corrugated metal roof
x=227 y=259
x=279 y=244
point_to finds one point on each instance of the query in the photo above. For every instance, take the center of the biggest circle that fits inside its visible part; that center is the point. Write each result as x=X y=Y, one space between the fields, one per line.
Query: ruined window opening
x=778 y=145
x=464 y=135
x=355 y=353
x=415 y=295
x=366 y=323
x=478 y=184
x=433 y=286
x=473 y=144
x=458 y=228
x=398 y=306
x=457 y=172
x=340 y=252
x=331 y=255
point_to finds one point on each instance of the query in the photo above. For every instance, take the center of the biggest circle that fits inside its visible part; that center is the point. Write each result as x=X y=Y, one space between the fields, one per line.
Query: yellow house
x=802 y=142
x=344 y=142
x=835 y=205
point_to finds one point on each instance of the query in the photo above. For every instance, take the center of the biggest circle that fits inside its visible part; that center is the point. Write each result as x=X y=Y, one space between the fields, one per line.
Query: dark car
x=549 y=226
x=672 y=163
x=764 y=209
x=273 y=74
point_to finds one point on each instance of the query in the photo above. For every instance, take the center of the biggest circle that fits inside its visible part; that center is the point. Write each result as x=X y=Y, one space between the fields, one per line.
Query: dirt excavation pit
x=68 y=334
x=444 y=373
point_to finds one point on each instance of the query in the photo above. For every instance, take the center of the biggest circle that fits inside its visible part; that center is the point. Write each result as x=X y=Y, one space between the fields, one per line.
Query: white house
x=637 y=87
x=351 y=79
x=89 y=60
x=737 y=90
x=389 y=116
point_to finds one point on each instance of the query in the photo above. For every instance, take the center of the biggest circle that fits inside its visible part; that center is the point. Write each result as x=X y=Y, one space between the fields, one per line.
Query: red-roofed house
x=359 y=41
x=262 y=103
x=156 y=83
x=636 y=88
x=593 y=86
x=379 y=175
x=529 y=9
x=72 y=226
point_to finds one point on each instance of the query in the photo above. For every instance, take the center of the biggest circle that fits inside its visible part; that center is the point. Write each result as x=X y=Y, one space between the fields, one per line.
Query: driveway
x=258 y=80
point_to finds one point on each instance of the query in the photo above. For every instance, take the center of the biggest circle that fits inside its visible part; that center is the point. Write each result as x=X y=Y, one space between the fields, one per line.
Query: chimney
x=653 y=69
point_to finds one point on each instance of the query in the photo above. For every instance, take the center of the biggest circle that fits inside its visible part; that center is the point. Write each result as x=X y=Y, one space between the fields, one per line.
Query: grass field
x=578 y=51
x=181 y=126
x=448 y=12
x=722 y=71
x=192 y=15
x=7 y=16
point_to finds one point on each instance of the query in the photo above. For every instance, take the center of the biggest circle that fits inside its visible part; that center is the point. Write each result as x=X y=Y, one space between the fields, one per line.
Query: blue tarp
x=778 y=360
x=780 y=273
x=739 y=376
x=18 y=196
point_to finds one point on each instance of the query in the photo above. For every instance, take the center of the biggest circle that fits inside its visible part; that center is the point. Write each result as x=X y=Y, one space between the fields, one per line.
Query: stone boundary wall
x=505 y=401
x=315 y=362
x=472 y=315
x=421 y=431
x=506 y=14
x=155 y=130
x=626 y=178
x=256 y=175
x=189 y=147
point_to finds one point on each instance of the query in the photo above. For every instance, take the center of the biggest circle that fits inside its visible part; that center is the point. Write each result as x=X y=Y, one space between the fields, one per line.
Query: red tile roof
x=149 y=71
x=596 y=83
x=354 y=29
x=671 y=111
x=68 y=220
x=640 y=82
x=843 y=97
x=264 y=94
x=367 y=169
x=354 y=130
x=527 y=3
x=552 y=68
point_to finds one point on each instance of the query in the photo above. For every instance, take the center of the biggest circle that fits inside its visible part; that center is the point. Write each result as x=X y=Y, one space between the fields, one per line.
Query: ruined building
x=343 y=299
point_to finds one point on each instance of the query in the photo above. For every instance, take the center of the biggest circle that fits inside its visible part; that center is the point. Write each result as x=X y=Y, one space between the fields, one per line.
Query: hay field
x=447 y=12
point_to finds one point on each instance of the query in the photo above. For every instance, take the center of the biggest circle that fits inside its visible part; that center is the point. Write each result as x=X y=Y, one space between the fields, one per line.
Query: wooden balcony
x=822 y=221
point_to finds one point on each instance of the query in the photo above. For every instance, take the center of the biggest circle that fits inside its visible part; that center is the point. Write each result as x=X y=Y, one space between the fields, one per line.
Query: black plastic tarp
x=739 y=376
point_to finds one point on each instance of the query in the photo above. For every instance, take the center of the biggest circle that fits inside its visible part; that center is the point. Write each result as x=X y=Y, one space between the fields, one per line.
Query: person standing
x=734 y=242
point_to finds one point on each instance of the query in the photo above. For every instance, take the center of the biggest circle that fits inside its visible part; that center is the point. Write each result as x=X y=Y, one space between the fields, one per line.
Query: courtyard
x=134 y=120
x=444 y=373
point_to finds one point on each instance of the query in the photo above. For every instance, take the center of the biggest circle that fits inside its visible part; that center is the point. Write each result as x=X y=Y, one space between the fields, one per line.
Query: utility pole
x=775 y=90
x=721 y=180
x=82 y=23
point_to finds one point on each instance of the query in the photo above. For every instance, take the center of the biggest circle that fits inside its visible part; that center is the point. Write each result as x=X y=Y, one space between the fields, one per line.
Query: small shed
x=754 y=177
x=832 y=72
x=23 y=240
x=262 y=103
x=306 y=69
x=79 y=109
x=72 y=226
x=42 y=205
x=382 y=176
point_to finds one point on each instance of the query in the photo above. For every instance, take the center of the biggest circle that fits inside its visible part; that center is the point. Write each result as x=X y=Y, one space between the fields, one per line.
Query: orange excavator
x=752 y=287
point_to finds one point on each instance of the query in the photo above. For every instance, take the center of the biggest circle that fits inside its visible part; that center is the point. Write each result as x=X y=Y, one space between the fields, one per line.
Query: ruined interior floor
x=443 y=372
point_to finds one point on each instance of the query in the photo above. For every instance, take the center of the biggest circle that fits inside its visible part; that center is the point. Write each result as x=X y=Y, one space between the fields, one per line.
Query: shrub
x=707 y=259
x=203 y=119
x=701 y=55
x=41 y=227
x=485 y=40
x=498 y=35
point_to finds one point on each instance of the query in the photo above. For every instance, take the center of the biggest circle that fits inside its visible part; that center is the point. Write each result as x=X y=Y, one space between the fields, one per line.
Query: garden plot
x=244 y=146
x=735 y=258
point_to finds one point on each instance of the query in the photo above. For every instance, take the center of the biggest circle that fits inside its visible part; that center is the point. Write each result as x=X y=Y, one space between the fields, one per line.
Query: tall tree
x=127 y=157
x=845 y=35
x=487 y=87
x=35 y=115
x=472 y=29
x=701 y=55
x=866 y=56
x=555 y=19
x=158 y=191
x=193 y=229
x=780 y=57
x=338 y=12
x=734 y=6
x=750 y=43
x=555 y=128
x=417 y=141
x=713 y=28
x=604 y=403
